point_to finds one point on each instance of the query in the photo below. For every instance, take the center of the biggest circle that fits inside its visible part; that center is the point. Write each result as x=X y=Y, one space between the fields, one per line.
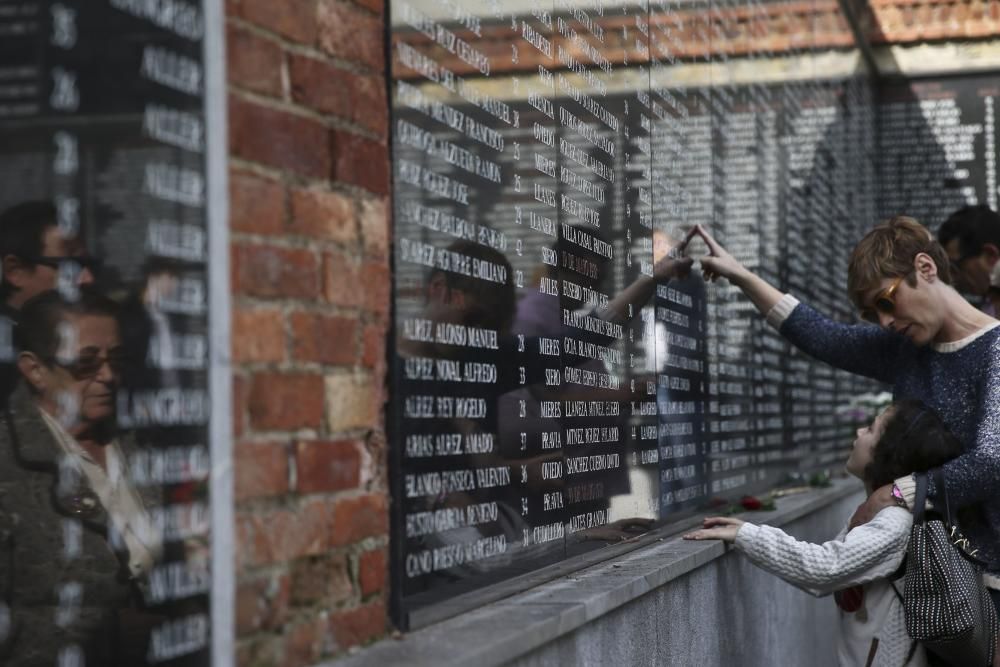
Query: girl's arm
x=868 y=552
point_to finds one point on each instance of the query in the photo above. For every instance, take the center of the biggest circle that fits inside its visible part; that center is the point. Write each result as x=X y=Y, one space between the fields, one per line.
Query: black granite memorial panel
x=556 y=384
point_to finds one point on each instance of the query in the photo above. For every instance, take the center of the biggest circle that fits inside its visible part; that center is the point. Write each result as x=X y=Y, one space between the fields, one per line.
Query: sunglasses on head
x=884 y=302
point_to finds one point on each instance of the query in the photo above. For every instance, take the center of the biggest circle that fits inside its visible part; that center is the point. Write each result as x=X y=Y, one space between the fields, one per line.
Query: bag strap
x=942 y=493
x=920 y=498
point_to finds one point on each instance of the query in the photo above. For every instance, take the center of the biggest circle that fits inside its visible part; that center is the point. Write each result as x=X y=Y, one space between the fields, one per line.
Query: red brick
x=321 y=86
x=280 y=401
x=262 y=603
x=372 y=571
x=256 y=205
x=374 y=218
x=304 y=642
x=328 y=216
x=272 y=272
x=258 y=335
x=279 y=139
x=239 y=405
x=362 y=162
x=349 y=32
x=254 y=63
x=376 y=278
x=370 y=104
x=332 y=90
x=324 y=339
x=325 y=578
x=261 y=470
x=356 y=518
x=357 y=626
x=294 y=19
x=261 y=651
x=373 y=345
x=326 y=466
x=279 y=536
x=377 y=6
x=341 y=278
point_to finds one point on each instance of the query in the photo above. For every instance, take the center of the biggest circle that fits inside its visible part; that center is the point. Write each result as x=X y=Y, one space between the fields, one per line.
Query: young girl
x=859 y=566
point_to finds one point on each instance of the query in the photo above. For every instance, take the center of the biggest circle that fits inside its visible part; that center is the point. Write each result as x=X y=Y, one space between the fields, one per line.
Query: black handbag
x=946 y=605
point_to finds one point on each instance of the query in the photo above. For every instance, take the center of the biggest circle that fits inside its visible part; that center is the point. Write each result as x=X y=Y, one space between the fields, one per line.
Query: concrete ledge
x=511 y=628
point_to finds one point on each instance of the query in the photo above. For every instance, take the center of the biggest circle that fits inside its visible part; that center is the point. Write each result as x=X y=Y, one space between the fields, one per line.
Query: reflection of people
x=932 y=345
x=971 y=237
x=860 y=564
x=35 y=255
x=77 y=537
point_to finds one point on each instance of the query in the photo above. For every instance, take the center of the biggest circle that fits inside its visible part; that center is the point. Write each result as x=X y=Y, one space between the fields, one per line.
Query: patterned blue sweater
x=960 y=380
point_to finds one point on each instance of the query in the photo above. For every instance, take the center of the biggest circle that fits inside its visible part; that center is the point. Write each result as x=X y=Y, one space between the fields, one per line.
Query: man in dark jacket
x=77 y=540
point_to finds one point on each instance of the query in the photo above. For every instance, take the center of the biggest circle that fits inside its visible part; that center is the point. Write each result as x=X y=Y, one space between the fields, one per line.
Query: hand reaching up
x=718 y=263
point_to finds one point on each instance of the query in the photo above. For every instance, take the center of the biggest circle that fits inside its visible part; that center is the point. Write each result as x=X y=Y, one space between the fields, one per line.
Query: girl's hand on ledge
x=717 y=528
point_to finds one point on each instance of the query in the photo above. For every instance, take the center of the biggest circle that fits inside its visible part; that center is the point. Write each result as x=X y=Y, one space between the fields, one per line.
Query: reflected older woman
x=930 y=344
x=75 y=535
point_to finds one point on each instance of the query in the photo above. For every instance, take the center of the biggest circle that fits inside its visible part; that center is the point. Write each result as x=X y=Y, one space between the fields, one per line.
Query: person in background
x=36 y=255
x=971 y=237
x=861 y=564
x=931 y=345
x=77 y=538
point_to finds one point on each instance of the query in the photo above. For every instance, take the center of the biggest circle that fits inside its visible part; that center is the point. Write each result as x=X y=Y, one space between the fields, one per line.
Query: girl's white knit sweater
x=875 y=635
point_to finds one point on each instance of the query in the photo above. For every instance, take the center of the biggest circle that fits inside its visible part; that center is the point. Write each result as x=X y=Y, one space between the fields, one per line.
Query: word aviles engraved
x=178 y=637
x=449 y=260
x=446 y=333
x=175 y=184
x=449 y=370
x=447 y=518
x=176 y=128
x=452 y=555
x=435 y=483
x=172 y=70
x=420 y=445
x=174 y=240
x=178 y=580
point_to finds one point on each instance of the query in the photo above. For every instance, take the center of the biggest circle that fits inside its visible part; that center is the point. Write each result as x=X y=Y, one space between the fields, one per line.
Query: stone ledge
x=512 y=627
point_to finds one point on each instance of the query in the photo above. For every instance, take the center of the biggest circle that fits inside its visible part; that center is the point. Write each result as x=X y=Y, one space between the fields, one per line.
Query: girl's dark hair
x=914 y=440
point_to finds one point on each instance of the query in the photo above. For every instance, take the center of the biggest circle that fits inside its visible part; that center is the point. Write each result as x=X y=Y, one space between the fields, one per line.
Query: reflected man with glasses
x=77 y=540
x=930 y=344
x=36 y=255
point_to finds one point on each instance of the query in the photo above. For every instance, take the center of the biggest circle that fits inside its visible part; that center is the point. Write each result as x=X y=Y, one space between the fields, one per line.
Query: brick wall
x=309 y=178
